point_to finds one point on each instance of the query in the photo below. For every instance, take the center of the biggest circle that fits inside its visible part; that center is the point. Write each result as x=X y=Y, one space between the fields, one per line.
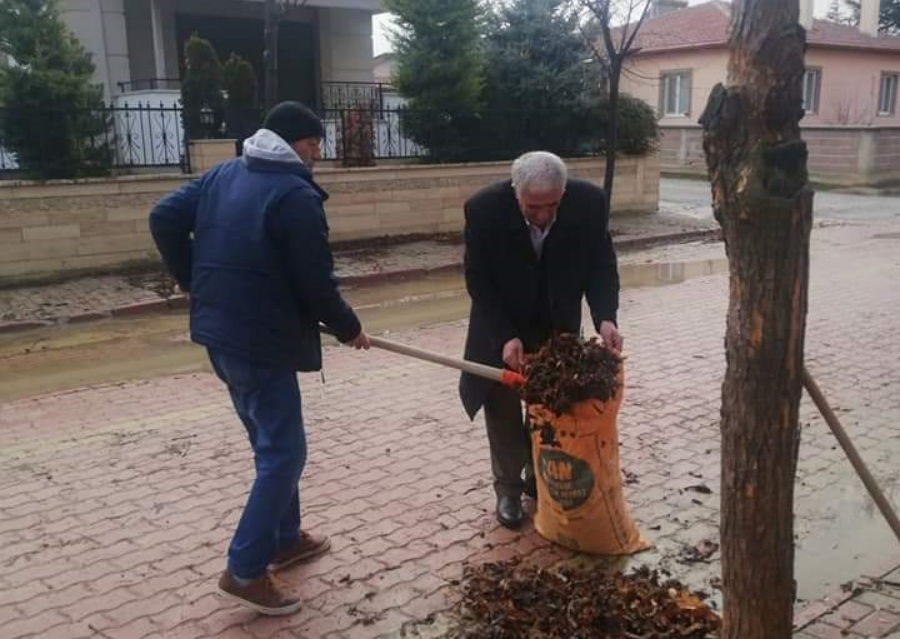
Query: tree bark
x=757 y=166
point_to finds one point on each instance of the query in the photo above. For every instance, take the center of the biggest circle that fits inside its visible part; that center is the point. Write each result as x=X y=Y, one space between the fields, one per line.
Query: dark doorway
x=244 y=36
x=297 y=62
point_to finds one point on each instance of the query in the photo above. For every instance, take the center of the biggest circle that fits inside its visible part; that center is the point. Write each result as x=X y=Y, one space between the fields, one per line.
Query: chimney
x=806 y=13
x=868 y=17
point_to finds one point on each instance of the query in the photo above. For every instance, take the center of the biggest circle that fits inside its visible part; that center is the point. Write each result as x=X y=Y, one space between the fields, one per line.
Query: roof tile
x=706 y=25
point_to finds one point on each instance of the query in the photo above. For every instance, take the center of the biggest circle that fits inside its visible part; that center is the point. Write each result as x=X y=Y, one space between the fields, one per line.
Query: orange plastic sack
x=580 y=503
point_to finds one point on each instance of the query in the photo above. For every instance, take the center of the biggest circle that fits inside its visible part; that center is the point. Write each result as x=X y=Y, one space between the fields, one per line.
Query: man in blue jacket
x=248 y=242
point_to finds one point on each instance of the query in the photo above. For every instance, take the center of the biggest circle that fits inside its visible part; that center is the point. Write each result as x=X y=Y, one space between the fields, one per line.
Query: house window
x=887 y=96
x=675 y=98
x=812 y=87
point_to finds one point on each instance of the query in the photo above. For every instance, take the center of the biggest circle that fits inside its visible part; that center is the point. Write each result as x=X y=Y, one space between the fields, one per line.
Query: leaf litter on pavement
x=507 y=600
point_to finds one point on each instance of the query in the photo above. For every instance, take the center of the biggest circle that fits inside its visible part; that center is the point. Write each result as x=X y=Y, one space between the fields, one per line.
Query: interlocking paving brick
x=109 y=499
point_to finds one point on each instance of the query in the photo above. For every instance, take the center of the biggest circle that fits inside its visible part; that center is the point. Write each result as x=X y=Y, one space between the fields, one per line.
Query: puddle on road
x=842 y=535
x=667 y=273
x=65 y=357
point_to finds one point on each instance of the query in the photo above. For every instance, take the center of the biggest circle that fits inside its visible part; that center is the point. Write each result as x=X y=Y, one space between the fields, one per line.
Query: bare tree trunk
x=612 y=56
x=612 y=133
x=270 y=77
x=757 y=165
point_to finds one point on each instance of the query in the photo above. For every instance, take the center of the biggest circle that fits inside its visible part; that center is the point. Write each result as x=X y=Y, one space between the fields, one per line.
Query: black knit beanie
x=294 y=121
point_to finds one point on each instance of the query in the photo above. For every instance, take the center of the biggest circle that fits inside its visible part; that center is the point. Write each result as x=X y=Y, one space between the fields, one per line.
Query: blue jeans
x=267 y=399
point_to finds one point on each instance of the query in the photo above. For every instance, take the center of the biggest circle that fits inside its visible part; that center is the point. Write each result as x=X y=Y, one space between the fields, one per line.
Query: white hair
x=539 y=171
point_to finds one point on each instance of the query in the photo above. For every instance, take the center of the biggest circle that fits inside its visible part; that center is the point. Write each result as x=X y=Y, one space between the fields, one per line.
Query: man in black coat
x=536 y=245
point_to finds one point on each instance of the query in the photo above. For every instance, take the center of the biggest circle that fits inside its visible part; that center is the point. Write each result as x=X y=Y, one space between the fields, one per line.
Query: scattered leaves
x=506 y=600
x=699 y=553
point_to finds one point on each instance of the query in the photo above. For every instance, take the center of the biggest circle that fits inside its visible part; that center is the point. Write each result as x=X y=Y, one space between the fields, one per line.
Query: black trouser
x=509 y=440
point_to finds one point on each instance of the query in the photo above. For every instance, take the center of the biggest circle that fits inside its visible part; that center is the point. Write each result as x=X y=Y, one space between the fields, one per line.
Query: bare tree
x=758 y=168
x=275 y=10
x=612 y=52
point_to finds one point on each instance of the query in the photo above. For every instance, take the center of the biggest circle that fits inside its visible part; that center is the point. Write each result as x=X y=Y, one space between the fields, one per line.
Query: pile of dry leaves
x=509 y=601
x=568 y=370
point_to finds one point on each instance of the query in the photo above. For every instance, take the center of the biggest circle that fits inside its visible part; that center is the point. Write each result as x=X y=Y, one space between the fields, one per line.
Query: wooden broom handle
x=858 y=464
x=504 y=376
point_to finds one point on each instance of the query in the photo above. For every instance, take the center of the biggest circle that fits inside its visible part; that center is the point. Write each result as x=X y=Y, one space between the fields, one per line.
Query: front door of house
x=244 y=36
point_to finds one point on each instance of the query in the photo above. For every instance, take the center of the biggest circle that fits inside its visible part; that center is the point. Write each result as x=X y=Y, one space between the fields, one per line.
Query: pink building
x=852 y=122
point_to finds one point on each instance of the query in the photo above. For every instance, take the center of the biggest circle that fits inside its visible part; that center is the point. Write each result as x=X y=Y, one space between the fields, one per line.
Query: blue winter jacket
x=249 y=241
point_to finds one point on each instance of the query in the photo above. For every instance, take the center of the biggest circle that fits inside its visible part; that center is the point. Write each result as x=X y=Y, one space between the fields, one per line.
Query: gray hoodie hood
x=270 y=147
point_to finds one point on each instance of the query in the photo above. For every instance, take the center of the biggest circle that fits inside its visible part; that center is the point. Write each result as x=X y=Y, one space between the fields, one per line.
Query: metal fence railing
x=53 y=143
x=148 y=136
x=352 y=133
x=377 y=133
x=353 y=95
x=142 y=137
x=130 y=138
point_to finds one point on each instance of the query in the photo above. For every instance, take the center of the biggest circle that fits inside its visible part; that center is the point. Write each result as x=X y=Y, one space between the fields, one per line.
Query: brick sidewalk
x=117 y=502
x=869 y=608
x=101 y=294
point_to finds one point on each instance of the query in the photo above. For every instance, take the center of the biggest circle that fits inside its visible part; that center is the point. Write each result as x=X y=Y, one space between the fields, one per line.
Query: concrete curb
x=640 y=243
x=15 y=327
x=137 y=309
x=179 y=302
x=405 y=274
x=633 y=244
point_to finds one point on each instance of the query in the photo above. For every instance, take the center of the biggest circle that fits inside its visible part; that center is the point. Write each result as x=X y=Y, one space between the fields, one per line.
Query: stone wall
x=57 y=227
x=887 y=152
x=834 y=155
x=681 y=149
x=205 y=154
x=64 y=226
x=404 y=200
x=839 y=155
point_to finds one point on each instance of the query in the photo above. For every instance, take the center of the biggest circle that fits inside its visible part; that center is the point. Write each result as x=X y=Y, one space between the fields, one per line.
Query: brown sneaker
x=262 y=595
x=307 y=548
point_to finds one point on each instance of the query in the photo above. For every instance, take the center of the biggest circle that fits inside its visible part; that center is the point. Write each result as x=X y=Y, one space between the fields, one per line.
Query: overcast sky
x=381 y=24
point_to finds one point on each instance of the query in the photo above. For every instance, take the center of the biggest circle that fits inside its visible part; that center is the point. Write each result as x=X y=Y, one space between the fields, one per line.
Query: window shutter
x=818 y=91
x=687 y=91
x=662 y=96
x=893 y=95
x=887 y=94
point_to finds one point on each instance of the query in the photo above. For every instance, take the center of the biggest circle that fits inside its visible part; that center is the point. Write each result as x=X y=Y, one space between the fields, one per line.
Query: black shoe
x=509 y=511
x=530 y=488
